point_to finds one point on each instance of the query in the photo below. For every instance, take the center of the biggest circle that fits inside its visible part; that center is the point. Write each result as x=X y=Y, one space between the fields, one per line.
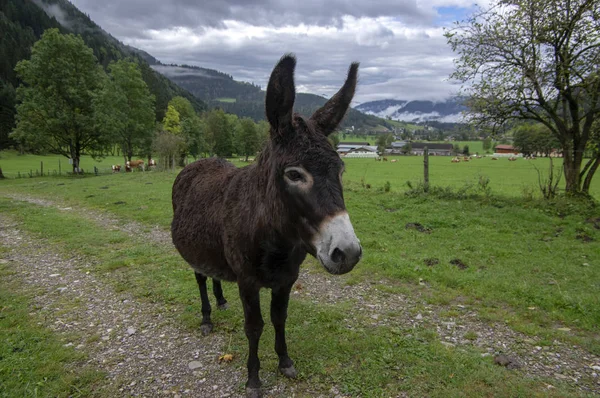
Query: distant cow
x=151 y=163
x=494 y=158
x=116 y=168
x=385 y=159
x=394 y=160
x=134 y=164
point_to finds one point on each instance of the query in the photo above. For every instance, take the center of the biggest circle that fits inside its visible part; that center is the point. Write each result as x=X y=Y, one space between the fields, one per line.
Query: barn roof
x=502 y=146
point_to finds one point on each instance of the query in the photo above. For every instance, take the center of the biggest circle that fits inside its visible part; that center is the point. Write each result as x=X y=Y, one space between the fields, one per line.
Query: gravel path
x=141 y=347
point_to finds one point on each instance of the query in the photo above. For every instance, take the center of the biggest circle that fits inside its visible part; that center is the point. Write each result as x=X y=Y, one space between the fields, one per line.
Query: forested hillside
x=22 y=23
x=246 y=99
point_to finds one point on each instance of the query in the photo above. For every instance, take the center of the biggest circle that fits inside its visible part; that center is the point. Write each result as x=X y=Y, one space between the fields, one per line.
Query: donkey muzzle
x=337 y=246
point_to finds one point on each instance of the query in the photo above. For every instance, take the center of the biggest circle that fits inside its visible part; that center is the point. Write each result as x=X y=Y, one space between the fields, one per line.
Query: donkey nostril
x=338 y=256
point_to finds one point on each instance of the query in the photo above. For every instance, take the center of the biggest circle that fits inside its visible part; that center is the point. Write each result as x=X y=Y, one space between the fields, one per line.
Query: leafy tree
x=535 y=60
x=384 y=141
x=465 y=150
x=168 y=147
x=334 y=139
x=219 y=132
x=125 y=108
x=171 y=122
x=192 y=128
x=248 y=140
x=263 y=133
x=456 y=149
x=184 y=107
x=533 y=138
x=487 y=143
x=7 y=113
x=406 y=149
x=55 y=111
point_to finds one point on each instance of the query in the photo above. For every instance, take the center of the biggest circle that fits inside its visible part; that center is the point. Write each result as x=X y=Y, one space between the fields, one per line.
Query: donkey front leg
x=253 y=326
x=279 y=304
x=206 y=326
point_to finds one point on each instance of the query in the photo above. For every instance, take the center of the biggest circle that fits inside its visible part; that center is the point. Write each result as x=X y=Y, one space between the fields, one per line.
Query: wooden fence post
x=41 y=168
x=426 y=168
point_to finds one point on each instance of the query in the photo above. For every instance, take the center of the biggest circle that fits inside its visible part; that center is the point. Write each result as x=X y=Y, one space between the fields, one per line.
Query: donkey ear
x=281 y=94
x=328 y=117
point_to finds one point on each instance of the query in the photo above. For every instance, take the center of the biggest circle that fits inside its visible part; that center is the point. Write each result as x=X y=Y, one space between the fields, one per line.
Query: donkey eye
x=294 y=176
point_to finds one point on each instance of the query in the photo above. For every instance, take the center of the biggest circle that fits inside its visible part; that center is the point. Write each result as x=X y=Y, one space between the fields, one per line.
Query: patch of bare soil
x=161 y=344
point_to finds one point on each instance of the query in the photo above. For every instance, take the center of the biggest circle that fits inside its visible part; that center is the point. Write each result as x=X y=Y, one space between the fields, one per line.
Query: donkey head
x=308 y=171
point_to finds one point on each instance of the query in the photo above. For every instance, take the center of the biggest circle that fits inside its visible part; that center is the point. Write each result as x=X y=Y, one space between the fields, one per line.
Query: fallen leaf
x=226 y=358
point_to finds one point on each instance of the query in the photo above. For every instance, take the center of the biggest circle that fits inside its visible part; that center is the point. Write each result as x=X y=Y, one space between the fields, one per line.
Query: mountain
x=247 y=99
x=22 y=23
x=448 y=111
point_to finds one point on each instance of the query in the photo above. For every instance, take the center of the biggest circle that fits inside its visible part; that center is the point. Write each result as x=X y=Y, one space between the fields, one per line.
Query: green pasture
x=530 y=264
x=12 y=164
x=514 y=179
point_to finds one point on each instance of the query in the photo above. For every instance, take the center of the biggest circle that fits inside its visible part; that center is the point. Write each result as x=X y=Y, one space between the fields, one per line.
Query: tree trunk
x=75 y=164
x=590 y=175
x=572 y=166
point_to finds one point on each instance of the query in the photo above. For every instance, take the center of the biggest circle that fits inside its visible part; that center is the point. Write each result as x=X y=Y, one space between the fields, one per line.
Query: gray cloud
x=403 y=54
x=208 y=13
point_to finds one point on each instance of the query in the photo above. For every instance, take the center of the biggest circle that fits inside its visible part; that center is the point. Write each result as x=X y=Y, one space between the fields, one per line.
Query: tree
x=456 y=149
x=125 y=108
x=334 y=139
x=465 y=150
x=171 y=122
x=487 y=144
x=263 y=133
x=248 y=140
x=384 y=141
x=219 y=132
x=406 y=149
x=192 y=129
x=168 y=147
x=55 y=112
x=534 y=138
x=535 y=60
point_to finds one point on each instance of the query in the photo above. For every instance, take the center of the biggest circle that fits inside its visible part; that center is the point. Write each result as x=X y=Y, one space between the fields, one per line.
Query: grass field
x=528 y=264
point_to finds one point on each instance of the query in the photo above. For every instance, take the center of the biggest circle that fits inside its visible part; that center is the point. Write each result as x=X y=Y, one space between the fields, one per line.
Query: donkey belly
x=197 y=205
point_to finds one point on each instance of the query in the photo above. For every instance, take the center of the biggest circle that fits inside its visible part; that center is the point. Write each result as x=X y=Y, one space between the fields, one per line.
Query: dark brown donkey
x=255 y=225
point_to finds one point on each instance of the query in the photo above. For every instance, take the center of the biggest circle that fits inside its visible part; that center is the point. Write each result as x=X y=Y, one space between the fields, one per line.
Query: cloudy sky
x=399 y=43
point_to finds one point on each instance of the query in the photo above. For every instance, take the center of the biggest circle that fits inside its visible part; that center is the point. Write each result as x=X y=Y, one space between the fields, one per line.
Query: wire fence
x=57 y=170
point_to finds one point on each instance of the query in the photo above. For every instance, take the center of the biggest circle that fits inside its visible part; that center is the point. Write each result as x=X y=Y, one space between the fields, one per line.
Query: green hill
x=22 y=23
x=247 y=99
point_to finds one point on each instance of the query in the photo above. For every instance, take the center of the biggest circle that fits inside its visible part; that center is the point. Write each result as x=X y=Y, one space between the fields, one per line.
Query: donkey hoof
x=206 y=328
x=223 y=306
x=289 y=372
x=253 y=392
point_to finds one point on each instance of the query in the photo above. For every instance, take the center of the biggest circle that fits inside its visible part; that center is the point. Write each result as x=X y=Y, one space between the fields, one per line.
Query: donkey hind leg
x=279 y=305
x=206 y=326
x=218 y=291
x=253 y=327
